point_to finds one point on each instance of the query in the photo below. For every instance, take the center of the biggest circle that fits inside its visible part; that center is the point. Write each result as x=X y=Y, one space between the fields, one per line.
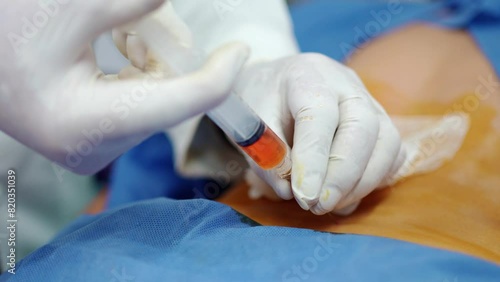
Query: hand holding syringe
x=233 y=116
x=344 y=143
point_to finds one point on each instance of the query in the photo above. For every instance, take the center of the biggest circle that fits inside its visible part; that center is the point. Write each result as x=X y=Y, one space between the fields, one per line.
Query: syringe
x=252 y=135
x=238 y=121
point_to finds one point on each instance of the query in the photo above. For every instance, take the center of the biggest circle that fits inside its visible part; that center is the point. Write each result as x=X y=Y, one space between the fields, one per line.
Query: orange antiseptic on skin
x=268 y=151
x=421 y=70
x=455 y=207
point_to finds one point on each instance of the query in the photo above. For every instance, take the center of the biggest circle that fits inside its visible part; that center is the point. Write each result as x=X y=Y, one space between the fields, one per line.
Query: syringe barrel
x=253 y=136
x=236 y=119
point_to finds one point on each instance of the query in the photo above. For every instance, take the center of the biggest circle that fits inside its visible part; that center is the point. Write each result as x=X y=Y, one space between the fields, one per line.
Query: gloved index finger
x=352 y=147
x=314 y=108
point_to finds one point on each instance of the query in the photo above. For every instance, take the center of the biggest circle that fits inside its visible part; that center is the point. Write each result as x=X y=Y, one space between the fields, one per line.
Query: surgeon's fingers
x=395 y=173
x=347 y=210
x=259 y=188
x=137 y=51
x=149 y=104
x=380 y=164
x=132 y=47
x=351 y=150
x=120 y=40
x=389 y=178
x=166 y=26
x=315 y=111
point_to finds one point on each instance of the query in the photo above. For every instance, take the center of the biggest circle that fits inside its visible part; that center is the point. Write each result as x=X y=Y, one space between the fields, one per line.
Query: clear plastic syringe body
x=252 y=135
x=238 y=121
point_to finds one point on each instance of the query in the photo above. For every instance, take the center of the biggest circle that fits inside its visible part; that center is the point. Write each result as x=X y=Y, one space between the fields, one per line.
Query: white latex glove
x=343 y=143
x=312 y=98
x=56 y=101
x=265 y=26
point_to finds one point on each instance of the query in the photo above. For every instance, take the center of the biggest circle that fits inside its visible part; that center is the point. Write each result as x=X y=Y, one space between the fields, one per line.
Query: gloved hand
x=308 y=100
x=344 y=145
x=56 y=101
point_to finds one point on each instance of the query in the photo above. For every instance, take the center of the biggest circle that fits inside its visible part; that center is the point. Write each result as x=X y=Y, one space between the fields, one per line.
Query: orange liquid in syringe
x=268 y=151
